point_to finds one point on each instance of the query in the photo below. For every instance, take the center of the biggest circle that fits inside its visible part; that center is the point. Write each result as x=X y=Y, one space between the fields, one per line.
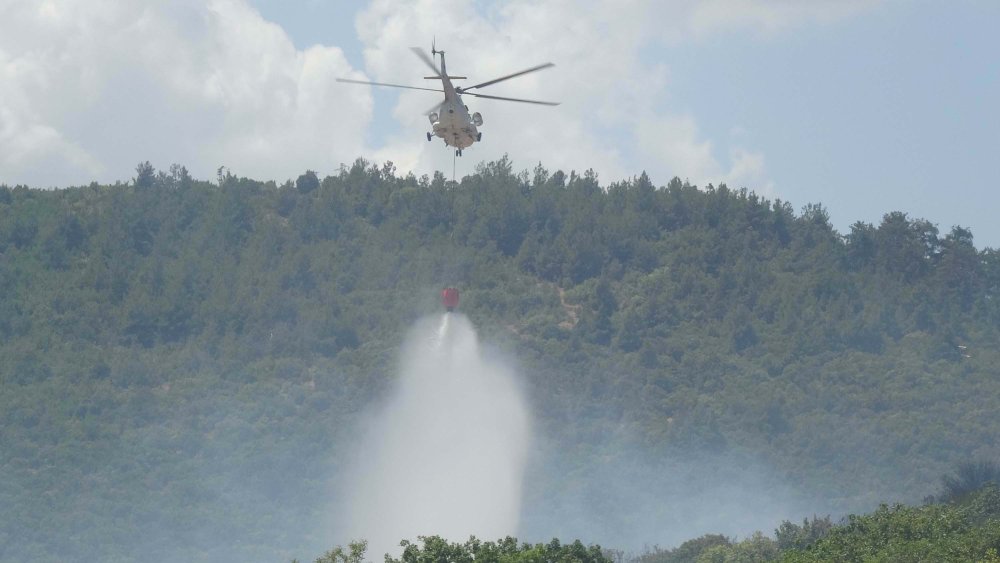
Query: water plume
x=446 y=454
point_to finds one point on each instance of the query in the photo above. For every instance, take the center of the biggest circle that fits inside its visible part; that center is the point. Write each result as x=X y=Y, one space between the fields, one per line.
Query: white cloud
x=494 y=41
x=747 y=170
x=672 y=142
x=88 y=89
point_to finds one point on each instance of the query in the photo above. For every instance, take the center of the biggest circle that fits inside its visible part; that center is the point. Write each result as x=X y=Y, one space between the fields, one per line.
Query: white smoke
x=446 y=454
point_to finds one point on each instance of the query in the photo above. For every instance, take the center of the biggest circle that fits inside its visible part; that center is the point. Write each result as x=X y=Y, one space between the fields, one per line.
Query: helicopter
x=451 y=119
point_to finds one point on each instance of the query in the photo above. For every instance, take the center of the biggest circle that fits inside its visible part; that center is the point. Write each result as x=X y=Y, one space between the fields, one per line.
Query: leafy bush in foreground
x=938 y=532
x=961 y=531
x=435 y=549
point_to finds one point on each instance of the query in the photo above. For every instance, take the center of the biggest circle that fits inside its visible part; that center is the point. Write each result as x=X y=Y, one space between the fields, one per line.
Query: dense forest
x=182 y=362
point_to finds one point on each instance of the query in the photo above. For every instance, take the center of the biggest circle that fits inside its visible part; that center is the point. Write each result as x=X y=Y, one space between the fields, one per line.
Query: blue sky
x=865 y=106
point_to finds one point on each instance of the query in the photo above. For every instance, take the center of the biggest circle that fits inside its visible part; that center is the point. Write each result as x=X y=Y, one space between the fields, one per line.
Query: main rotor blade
x=510 y=99
x=349 y=81
x=427 y=60
x=508 y=77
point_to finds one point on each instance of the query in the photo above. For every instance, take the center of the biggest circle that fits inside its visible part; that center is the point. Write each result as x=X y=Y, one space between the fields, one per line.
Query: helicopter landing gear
x=479 y=136
x=458 y=152
x=429 y=137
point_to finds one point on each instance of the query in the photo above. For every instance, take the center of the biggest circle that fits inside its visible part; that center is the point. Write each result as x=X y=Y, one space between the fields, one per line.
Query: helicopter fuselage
x=452 y=121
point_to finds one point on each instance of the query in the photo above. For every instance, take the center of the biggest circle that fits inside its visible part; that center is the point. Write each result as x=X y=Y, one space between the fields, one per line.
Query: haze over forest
x=184 y=363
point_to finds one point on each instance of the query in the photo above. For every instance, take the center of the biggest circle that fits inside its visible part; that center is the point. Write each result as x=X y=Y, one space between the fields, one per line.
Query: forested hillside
x=182 y=363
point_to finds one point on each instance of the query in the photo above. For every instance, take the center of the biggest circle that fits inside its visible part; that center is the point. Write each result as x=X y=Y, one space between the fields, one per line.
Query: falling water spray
x=446 y=453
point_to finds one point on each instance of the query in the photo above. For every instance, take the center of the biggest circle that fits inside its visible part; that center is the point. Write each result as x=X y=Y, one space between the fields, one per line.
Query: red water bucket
x=449 y=298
